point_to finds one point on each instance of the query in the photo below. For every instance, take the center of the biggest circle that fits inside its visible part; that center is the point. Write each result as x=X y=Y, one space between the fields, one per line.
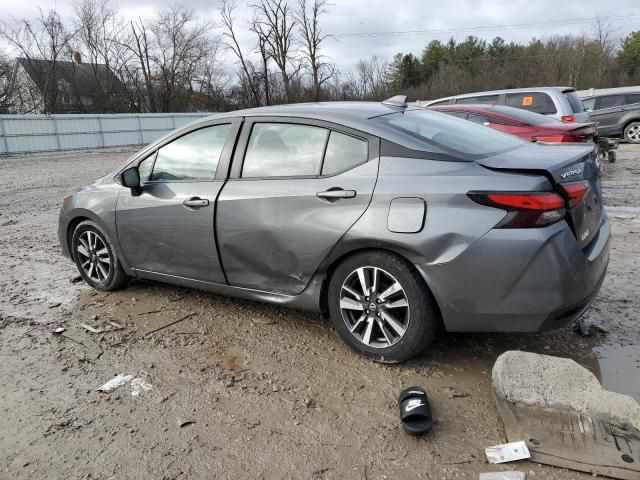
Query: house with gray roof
x=45 y=86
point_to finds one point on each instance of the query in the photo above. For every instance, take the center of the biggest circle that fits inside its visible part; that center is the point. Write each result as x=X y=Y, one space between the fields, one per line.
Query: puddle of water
x=620 y=368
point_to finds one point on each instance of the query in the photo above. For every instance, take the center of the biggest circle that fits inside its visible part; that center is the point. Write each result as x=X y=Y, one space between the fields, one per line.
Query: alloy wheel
x=94 y=256
x=374 y=307
x=634 y=133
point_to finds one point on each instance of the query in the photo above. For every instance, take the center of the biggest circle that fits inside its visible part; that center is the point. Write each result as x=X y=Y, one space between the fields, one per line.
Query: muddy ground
x=260 y=391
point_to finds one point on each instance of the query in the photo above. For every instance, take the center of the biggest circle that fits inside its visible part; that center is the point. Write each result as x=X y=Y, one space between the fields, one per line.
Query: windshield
x=530 y=118
x=574 y=101
x=453 y=135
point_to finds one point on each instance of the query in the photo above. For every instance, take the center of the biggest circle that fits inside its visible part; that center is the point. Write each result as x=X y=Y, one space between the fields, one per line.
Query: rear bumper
x=520 y=280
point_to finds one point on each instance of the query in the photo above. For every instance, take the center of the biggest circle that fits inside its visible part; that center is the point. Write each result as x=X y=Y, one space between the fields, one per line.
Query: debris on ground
x=111 y=327
x=547 y=400
x=512 y=475
x=138 y=386
x=58 y=329
x=75 y=279
x=115 y=382
x=507 y=452
x=587 y=329
x=183 y=422
x=170 y=323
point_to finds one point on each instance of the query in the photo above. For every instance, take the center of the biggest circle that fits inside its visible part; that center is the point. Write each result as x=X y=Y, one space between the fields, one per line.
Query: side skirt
x=308 y=299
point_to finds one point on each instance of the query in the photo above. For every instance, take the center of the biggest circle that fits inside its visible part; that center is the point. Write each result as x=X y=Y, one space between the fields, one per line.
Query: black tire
x=115 y=276
x=632 y=132
x=422 y=314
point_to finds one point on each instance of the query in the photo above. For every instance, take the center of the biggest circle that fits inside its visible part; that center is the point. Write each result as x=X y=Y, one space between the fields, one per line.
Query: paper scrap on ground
x=508 y=452
x=139 y=386
x=503 y=476
x=115 y=382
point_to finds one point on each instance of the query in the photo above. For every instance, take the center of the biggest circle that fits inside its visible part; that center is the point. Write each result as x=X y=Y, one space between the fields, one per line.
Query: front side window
x=145 y=167
x=193 y=156
x=589 y=104
x=284 y=150
x=538 y=102
x=343 y=152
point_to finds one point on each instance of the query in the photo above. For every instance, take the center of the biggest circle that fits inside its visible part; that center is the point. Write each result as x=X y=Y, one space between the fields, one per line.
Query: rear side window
x=284 y=150
x=487 y=99
x=538 y=102
x=461 y=138
x=610 y=101
x=454 y=114
x=477 y=118
x=343 y=152
x=633 y=98
x=193 y=156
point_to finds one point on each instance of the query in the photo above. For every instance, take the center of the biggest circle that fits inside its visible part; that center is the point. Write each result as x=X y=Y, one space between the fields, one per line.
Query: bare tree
x=263 y=38
x=246 y=74
x=312 y=38
x=6 y=71
x=101 y=35
x=45 y=38
x=141 y=48
x=278 y=20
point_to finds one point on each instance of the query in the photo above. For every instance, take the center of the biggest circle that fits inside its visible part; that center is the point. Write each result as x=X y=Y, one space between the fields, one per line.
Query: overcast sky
x=442 y=19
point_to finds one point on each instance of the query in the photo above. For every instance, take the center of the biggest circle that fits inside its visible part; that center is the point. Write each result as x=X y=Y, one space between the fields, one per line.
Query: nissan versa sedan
x=392 y=220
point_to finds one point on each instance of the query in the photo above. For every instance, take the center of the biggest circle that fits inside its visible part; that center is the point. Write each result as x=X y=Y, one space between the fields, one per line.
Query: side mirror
x=131 y=178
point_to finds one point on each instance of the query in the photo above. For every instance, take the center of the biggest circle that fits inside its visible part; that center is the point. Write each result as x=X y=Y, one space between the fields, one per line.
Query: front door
x=169 y=227
x=295 y=190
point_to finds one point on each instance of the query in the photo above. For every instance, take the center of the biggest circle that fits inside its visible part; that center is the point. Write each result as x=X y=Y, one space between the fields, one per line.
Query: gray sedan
x=390 y=219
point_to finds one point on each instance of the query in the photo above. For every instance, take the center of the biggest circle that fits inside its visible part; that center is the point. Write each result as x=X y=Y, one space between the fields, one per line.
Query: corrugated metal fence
x=49 y=133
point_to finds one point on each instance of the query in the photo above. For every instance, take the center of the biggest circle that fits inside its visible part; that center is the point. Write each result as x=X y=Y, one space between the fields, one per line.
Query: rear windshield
x=461 y=138
x=524 y=116
x=574 y=101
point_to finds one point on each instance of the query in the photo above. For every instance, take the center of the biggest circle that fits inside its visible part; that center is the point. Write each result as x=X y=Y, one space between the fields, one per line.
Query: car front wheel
x=381 y=307
x=632 y=132
x=95 y=257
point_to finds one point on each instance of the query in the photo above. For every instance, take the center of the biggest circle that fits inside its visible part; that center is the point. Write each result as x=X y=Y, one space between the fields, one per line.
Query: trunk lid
x=561 y=164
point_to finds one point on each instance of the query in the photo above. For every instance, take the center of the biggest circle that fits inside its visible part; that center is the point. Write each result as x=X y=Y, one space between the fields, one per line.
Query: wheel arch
x=627 y=123
x=330 y=265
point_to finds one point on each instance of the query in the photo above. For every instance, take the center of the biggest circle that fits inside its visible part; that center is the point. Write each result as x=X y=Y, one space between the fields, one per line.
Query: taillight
x=576 y=191
x=568 y=118
x=525 y=210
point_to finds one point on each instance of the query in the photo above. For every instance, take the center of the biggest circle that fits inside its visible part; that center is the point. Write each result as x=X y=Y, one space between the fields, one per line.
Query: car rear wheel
x=632 y=132
x=381 y=307
x=95 y=257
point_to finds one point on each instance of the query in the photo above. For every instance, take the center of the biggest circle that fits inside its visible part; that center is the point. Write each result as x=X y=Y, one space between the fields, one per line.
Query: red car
x=529 y=126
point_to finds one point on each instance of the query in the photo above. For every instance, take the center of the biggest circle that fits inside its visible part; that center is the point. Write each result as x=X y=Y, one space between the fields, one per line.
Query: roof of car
x=354 y=115
x=559 y=89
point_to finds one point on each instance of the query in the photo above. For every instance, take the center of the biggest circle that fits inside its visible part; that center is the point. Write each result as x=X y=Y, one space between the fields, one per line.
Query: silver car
x=561 y=103
x=392 y=220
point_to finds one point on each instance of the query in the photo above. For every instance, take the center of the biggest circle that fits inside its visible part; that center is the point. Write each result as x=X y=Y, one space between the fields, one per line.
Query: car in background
x=387 y=218
x=561 y=103
x=532 y=127
x=617 y=114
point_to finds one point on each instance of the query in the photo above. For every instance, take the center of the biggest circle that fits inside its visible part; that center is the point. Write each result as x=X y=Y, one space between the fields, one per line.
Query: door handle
x=335 y=193
x=195 y=202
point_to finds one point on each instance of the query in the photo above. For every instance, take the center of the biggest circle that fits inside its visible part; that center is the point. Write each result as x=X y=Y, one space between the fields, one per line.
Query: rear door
x=169 y=228
x=609 y=109
x=295 y=188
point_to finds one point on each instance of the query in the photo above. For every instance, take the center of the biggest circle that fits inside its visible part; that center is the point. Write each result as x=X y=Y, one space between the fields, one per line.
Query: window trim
x=373 y=145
